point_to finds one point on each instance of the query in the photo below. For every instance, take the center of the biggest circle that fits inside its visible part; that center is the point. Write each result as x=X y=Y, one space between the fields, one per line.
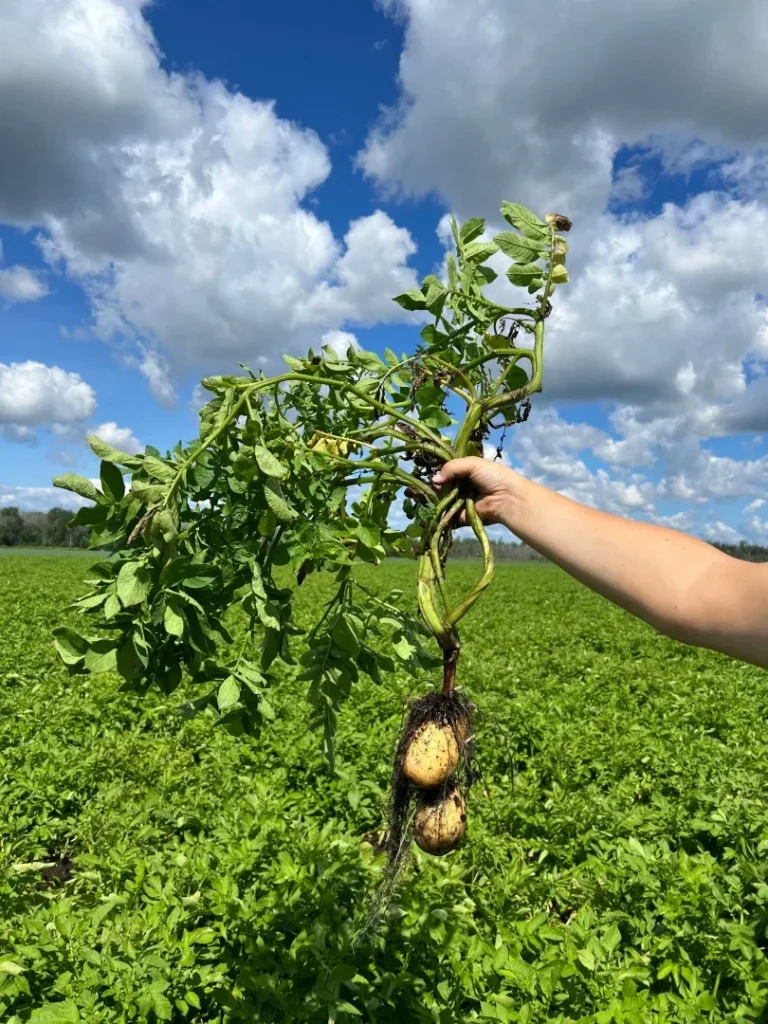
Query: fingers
x=457 y=469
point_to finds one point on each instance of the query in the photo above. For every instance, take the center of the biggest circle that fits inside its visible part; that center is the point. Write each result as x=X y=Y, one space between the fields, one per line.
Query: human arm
x=682 y=586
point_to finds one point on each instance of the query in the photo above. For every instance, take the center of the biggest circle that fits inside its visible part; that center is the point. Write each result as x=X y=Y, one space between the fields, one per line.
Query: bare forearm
x=677 y=583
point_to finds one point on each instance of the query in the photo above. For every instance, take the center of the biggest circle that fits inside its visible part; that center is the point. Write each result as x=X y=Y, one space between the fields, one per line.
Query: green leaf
x=587 y=958
x=112 y=483
x=266 y=710
x=345 y=636
x=297 y=365
x=268 y=464
x=71 y=647
x=479 y=252
x=266 y=612
x=518 y=248
x=90 y=515
x=522 y=274
x=229 y=693
x=257 y=582
x=412 y=299
x=515 y=379
x=9 y=967
x=78 y=485
x=404 y=649
x=111 y=606
x=201 y=936
x=158 y=470
x=164 y=524
x=498 y=342
x=148 y=494
x=368 y=533
x=161 y=1005
x=173 y=620
x=273 y=493
x=195 y=575
x=524 y=220
x=65 y=1012
x=390 y=357
x=101 y=656
x=471 y=229
x=436 y=417
x=133 y=584
x=109 y=454
x=129 y=662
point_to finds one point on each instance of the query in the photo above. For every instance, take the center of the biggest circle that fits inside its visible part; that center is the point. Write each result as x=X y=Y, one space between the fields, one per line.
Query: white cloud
x=753 y=506
x=757 y=529
x=497 y=101
x=665 y=315
x=20 y=284
x=720 y=531
x=175 y=202
x=33 y=395
x=38 y=499
x=629 y=186
x=122 y=438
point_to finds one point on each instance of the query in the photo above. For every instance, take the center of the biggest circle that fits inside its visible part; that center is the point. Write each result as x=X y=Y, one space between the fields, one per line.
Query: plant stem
x=450 y=662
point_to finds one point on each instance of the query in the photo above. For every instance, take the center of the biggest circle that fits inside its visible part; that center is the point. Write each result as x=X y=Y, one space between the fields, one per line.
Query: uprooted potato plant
x=302 y=470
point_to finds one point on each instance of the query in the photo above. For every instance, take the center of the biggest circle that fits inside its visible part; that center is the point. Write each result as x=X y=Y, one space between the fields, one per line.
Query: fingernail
x=437 y=478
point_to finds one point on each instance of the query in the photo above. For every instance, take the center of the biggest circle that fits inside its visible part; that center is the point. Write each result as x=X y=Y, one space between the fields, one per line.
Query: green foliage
x=616 y=870
x=210 y=526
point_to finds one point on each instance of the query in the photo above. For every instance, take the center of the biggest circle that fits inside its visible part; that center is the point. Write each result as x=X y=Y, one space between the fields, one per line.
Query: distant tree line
x=503 y=551
x=40 y=529
x=509 y=551
x=50 y=530
x=749 y=552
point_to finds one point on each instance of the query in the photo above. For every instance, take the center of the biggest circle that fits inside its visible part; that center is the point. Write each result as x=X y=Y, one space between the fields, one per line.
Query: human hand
x=495 y=487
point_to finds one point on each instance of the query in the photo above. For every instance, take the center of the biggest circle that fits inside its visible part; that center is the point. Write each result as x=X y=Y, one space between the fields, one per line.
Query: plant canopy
x=300 y=472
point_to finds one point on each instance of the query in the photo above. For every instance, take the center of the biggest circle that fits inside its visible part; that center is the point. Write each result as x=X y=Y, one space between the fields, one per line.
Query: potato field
x=154 y=867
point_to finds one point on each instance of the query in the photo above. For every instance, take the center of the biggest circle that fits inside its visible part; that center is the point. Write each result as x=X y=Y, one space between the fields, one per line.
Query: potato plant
x=300 y=472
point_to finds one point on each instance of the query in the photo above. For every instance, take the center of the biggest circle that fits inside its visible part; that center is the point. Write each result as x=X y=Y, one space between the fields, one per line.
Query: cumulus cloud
x=38 y=499
x=498 y=101
x=33 y=395
x=722 y=532
x=122 y=438
x=175 y=202
x=665 y=316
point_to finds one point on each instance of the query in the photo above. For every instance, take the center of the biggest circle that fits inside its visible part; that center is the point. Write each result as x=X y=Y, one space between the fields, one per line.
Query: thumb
x=457 y=469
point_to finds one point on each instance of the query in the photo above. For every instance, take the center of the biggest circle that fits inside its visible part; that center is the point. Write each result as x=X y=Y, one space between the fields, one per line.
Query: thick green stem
x=479 y=531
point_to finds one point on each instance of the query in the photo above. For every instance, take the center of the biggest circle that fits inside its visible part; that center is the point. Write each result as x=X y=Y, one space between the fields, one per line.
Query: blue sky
x=180 y=189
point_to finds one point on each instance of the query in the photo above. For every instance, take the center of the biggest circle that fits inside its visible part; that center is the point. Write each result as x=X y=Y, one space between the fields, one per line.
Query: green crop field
x=614 y=867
